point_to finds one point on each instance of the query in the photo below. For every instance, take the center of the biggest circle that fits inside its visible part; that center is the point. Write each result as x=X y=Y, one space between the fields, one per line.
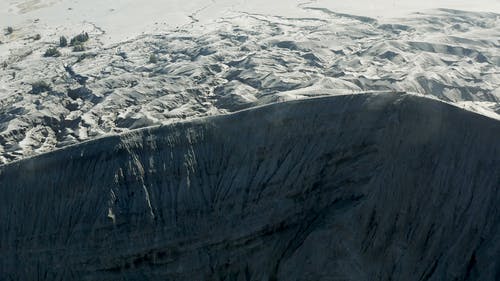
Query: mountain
x=380 y=186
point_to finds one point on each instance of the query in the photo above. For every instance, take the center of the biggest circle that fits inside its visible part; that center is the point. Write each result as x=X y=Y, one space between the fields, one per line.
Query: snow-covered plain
x=216 y=57
x=124 y=19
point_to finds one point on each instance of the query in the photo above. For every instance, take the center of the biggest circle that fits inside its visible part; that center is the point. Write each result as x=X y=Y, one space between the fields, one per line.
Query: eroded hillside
x=356 y=187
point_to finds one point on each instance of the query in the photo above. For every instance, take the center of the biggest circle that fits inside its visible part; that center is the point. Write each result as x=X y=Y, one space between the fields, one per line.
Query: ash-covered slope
x=361 y=187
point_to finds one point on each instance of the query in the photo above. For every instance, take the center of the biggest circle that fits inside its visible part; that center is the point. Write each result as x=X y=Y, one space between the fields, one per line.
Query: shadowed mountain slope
x=358 y=187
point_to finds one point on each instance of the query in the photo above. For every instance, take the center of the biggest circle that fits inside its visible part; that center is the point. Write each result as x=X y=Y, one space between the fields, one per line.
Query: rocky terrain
x=353 y=187
x=237 y=61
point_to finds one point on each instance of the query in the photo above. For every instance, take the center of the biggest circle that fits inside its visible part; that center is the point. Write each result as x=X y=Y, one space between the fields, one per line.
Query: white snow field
x=125 y=19
x=214 y=57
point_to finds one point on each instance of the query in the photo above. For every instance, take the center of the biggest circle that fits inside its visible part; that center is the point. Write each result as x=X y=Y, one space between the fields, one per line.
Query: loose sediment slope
x=361 y=187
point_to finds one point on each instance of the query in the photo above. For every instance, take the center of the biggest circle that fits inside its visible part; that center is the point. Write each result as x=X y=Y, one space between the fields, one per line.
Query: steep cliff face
x=362 y=187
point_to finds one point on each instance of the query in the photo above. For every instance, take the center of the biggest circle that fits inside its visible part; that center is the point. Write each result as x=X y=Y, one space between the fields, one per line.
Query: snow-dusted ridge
x=350 y=186
x=238 y=61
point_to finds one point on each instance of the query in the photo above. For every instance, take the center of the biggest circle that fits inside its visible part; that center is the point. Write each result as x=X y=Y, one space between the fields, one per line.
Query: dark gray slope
x=363 y=187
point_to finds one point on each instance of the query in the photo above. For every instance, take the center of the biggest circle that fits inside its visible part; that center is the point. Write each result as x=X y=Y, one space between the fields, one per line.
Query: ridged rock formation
x=360 y=187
